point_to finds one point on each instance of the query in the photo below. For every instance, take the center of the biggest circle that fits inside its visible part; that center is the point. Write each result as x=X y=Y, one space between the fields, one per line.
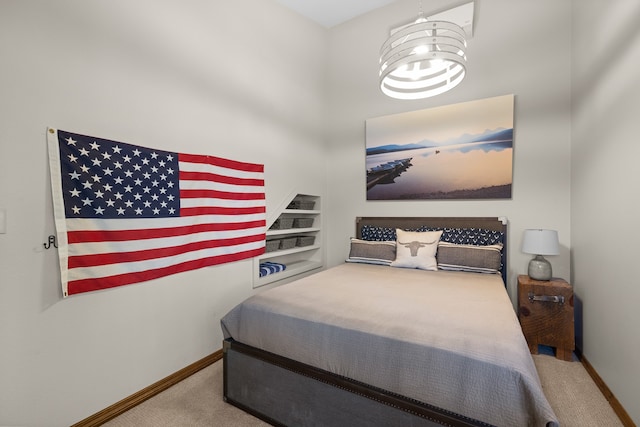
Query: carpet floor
x=197 y=401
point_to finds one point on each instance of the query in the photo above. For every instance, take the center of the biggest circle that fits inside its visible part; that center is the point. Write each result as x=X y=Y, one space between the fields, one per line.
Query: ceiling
x=329 y=13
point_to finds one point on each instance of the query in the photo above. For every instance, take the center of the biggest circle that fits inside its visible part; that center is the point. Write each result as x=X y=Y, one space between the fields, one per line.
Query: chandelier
x=423 y=59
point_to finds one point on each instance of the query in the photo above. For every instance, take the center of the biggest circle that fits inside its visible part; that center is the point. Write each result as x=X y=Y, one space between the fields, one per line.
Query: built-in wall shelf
x=294 y=238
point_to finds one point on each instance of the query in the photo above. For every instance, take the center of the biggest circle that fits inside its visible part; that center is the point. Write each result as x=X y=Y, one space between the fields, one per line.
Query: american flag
x=126 y=214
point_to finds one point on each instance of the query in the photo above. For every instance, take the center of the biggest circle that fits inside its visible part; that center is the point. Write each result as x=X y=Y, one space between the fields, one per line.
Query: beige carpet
x=197 y=401
x=573 y=395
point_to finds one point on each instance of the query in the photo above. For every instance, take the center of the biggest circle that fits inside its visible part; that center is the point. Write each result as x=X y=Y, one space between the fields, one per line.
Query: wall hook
x=52 y=242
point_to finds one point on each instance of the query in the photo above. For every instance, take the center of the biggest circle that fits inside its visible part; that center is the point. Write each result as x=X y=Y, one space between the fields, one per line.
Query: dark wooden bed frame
x=284 y=392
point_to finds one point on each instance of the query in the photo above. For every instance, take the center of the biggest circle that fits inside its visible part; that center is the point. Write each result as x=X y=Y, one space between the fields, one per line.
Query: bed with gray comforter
x=363 y=344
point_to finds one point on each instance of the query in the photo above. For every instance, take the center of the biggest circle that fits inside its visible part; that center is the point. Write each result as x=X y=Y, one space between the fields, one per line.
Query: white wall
x=194 y=76
x=519 y=47
x=605 y=177
x=220 y=78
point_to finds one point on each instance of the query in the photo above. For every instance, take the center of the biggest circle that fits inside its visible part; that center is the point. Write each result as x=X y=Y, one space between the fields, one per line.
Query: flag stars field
x=88 y=164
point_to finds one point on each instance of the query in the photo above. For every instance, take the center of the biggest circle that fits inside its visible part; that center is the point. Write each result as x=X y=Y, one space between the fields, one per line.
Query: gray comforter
x=450 y=339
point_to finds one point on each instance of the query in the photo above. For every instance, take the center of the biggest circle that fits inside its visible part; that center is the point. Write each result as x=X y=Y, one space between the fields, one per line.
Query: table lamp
x=540 y=242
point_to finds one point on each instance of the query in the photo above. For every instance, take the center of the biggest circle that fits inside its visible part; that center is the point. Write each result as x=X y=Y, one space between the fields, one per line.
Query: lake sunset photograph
x=459 y=151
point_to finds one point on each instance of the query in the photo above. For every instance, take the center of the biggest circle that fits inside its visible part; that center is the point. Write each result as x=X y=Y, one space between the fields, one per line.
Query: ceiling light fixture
x=423 y=59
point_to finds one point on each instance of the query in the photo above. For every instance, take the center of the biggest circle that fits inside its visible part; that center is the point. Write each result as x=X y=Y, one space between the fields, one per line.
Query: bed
x=365 y=343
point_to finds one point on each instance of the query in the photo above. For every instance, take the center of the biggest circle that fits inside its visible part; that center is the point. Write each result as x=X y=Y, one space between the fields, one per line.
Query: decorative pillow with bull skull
x=416 y=249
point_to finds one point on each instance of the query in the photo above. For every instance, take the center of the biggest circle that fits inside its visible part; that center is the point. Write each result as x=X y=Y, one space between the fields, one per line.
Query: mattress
x=449 y=339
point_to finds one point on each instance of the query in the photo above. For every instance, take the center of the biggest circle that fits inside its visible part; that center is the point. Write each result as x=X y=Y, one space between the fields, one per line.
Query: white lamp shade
x=540 y=242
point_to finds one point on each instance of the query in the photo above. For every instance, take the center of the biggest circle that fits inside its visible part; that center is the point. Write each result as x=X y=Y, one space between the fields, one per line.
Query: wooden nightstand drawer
x=545 y=311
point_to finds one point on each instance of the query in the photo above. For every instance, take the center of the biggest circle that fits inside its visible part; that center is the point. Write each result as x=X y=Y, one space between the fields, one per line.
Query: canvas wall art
x=460 y=151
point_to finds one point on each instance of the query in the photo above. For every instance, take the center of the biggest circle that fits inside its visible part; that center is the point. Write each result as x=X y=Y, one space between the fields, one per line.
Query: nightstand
x=545 y=311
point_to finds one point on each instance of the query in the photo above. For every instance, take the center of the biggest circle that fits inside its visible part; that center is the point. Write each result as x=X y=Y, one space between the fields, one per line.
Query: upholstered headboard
x=413 y=223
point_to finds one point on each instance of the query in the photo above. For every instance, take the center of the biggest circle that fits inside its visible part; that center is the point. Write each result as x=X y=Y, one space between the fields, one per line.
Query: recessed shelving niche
x=293 y=239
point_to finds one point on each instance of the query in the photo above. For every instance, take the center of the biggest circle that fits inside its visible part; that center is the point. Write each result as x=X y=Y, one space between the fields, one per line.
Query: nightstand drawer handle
x=546 y=298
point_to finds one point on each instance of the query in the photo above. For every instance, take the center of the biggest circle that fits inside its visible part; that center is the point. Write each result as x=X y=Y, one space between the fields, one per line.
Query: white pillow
x=417 y=249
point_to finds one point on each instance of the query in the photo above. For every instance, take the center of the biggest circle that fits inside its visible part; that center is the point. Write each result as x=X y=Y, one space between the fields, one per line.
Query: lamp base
x=539 y=268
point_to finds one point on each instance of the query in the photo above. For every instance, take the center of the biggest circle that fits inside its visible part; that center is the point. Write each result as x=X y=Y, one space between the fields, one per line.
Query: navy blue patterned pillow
x=379 y=234
x=462 y=236
x=468 y=236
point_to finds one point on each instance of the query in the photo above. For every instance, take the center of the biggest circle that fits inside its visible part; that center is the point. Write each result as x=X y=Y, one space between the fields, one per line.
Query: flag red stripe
x=155 y=233
x=98 y=283
x=213 y=210
x=218 y=161
x=215 y=194
x=147 y=254
x=224 y=179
